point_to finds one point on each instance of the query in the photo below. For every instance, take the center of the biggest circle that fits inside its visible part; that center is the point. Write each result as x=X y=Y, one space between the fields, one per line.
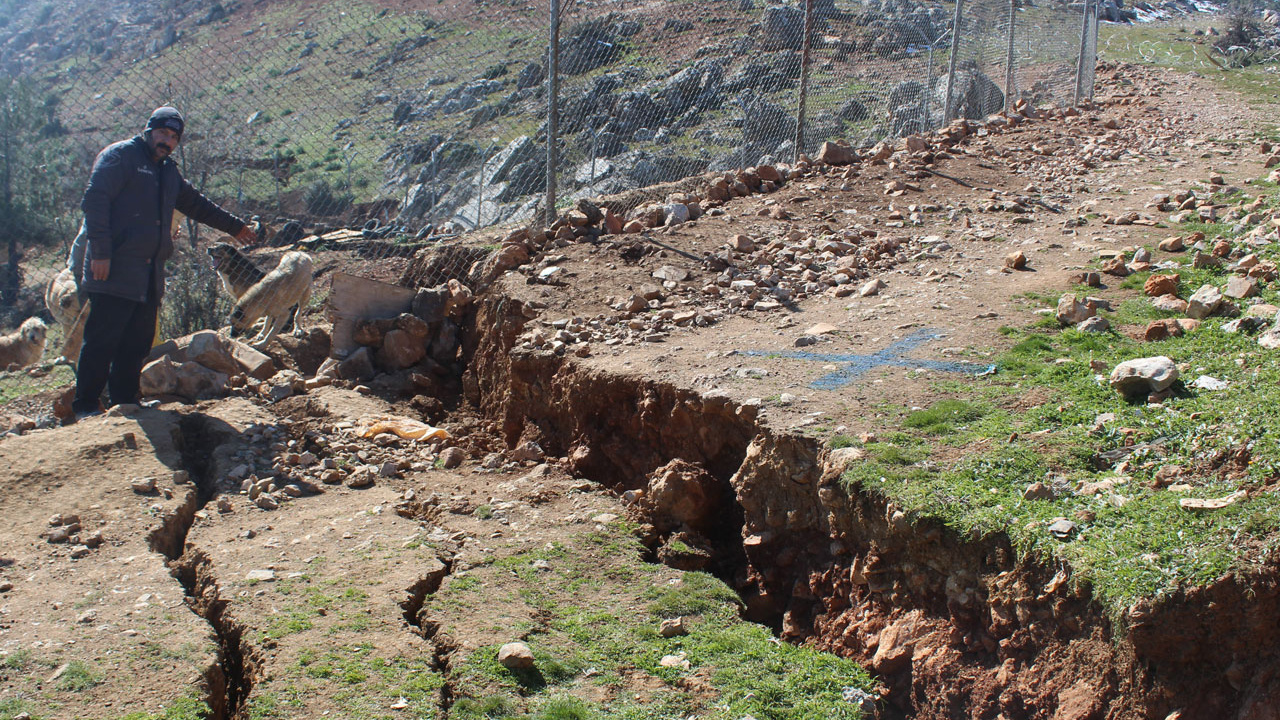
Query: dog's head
x=33 y=332
x=222 y=254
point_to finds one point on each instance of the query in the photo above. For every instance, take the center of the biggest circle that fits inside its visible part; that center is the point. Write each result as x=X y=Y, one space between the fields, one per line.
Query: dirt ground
x=198 y=590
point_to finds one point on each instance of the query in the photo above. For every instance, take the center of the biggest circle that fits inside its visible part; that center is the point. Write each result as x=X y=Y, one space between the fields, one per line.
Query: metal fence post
x=553 y=108
x=1008 y=72
x=804 y=77
x=1080 y=59
x=951 y=68
x=1093 y=56
x=480 y=190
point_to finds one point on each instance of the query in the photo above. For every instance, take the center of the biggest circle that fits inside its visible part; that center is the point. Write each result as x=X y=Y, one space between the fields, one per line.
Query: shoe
x=149 y=404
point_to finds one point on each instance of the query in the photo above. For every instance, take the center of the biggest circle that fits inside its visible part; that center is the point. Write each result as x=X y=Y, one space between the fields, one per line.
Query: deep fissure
x=230 y=684
x=840 y=568
x=441 y=649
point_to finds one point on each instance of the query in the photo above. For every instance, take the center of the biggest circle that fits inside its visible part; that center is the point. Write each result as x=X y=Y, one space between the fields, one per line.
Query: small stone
x=88 y=617
x=59 y=534
x=1205 y=382
x=143 y=486
x=452 y=457
x=267 y=501
x=674 y=661
x=181 y=477
x=1038 y=491
x=260 y=576
x=5 y=586
x=332 y=477
x=1016 y=261
x=528 y=452
x=1198 y=505
x=515 y=656
x=872 y=287
x=1062 y=528
x=362 y=477
x=673 y=627
x=1169 y=303
x=1094 y=324
x=224 y=505
x=389 y=468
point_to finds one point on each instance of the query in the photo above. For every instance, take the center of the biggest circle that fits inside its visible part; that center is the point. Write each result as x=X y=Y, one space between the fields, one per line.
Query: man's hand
x=245 y=236
x=100 y=269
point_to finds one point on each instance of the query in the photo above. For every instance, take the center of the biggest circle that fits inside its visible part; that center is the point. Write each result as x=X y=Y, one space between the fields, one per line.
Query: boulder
x=835 y=154
x=683 y=493
x=401 y=349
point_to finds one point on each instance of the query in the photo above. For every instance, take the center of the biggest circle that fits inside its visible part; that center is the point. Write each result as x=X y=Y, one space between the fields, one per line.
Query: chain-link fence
x=365 y=133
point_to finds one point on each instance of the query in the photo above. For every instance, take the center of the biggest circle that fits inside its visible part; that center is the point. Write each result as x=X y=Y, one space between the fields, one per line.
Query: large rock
x=835 y=154
x=253 y=363
x=1158 y=285
x=515 y=656
x=683 y=494
x=1143 y=376
x=210 y=350
x=1204 y=302
x=401 y=349
x=188 y=380
x=783 y=27
x=1071 y=311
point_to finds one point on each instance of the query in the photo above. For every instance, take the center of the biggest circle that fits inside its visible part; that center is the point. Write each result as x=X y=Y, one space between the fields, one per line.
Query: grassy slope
x=1133 y=540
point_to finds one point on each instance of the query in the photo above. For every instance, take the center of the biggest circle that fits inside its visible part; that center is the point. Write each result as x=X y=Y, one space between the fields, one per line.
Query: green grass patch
x=944 y=416
x=579 y=640
x=78 y=677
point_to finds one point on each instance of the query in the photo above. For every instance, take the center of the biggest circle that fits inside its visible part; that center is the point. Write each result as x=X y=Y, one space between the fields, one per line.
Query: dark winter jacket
x=128 y=212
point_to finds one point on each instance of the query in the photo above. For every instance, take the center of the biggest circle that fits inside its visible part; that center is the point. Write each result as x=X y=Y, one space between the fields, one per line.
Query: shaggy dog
x=62 y=297
x=279 y=293
x=24 y=346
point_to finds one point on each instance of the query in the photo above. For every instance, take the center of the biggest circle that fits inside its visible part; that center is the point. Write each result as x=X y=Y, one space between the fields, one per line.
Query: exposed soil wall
x=955 y=627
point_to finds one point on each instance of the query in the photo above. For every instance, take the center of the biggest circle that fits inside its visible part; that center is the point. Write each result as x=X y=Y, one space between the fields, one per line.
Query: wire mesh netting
x=376 y=136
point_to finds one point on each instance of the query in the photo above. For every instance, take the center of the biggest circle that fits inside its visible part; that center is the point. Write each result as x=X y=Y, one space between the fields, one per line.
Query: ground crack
x=442 y=646
x=230 y=681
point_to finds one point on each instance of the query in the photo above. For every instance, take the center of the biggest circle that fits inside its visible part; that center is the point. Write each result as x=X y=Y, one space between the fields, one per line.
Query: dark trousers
x=117 y=338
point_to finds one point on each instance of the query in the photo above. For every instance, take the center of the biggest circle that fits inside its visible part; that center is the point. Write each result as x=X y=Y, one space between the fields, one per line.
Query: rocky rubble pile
x=748 y=273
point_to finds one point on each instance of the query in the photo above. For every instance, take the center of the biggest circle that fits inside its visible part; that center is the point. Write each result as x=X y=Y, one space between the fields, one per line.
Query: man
x=120 y=254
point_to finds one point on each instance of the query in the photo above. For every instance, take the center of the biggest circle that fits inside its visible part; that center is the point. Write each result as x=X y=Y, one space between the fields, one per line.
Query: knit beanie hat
x=166 y=117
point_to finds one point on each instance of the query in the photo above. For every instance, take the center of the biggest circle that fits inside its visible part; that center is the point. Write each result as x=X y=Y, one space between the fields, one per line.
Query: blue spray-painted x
x=893 y=356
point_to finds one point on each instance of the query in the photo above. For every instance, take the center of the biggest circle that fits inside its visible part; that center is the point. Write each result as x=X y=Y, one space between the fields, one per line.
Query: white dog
x=24 y=346
x=273 y=297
